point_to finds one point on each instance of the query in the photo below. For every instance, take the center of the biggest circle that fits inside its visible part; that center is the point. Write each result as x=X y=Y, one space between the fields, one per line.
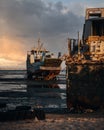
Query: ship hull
x=85 y=85
x=45 y=70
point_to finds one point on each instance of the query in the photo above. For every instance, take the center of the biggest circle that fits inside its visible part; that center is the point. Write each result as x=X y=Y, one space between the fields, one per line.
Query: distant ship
x=41 y=64
x=85 y=63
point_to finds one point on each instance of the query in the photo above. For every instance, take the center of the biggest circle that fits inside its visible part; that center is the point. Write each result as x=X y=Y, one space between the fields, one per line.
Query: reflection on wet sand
x=47 y=95
x=16 y=90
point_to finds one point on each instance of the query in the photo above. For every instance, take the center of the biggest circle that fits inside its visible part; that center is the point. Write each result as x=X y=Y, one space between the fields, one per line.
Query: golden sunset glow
x=22 y=20
x=11 y=53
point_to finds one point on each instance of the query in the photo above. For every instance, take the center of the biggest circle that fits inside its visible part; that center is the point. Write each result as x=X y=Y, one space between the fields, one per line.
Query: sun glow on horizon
x=12 y=53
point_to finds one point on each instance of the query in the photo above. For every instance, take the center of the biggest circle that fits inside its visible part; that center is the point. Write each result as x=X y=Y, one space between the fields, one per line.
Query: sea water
x=17 y=93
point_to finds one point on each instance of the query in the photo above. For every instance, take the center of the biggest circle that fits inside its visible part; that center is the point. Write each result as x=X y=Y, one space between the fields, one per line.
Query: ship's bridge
x=94 y=23
x=93 y=32
x=94 y=13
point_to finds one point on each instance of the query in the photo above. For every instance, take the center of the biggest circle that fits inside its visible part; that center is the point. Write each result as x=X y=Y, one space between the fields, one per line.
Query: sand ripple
x=57 y=122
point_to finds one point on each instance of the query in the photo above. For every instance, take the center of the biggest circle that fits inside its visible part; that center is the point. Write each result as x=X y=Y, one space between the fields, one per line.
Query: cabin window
x=98 y=50
x=93 y=49
x=93 y=28
x=95 y=15
x=98 y=28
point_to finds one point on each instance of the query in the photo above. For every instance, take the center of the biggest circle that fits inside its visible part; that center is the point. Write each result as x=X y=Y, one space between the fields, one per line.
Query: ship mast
x=38 y=45
x=78 y=47
x=69 y=46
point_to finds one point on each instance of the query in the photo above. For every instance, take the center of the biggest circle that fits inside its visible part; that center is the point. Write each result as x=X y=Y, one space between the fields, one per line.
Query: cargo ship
x=41 y=64
x=85 y=63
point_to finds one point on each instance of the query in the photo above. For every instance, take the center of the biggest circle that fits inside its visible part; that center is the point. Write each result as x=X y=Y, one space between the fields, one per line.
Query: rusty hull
x=85 y=85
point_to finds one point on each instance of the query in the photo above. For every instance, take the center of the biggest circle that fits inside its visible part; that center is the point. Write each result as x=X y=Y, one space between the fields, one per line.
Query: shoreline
x=86 y=121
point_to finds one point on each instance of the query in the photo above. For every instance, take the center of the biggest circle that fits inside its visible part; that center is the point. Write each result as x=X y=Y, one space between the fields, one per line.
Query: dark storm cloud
x=20 y=17
x=25 y=18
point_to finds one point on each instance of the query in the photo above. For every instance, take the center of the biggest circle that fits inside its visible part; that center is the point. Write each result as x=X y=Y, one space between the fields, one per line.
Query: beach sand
x=88 y=121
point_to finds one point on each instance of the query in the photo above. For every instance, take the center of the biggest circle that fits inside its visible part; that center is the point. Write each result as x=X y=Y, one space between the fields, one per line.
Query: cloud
x=11 y=54
x=28 y=17
x=10 y=50
x=21 y=20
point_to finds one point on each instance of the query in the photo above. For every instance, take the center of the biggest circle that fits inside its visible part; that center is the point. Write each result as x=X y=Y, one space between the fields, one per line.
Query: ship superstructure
x=41 y=64
x=85 y=63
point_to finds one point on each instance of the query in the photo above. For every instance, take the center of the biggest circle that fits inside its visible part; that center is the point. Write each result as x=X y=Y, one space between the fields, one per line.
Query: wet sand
x=13 y=93
x=89 y=121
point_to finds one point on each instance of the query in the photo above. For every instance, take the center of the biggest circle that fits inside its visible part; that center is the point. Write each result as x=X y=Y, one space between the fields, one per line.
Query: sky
x=22 y=22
